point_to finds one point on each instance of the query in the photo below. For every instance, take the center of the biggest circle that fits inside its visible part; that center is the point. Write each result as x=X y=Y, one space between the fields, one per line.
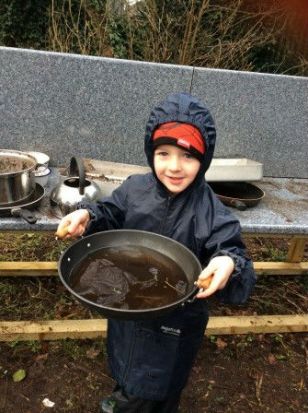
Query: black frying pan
x=240 y=195
x=23 y=209
x=79 y=250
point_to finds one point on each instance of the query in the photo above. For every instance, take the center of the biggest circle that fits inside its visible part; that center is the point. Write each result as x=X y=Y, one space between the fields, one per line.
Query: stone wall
x=67 y=105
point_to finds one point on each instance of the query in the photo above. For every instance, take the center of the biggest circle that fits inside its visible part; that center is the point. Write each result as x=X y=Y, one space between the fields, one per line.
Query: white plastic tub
x=237 y=169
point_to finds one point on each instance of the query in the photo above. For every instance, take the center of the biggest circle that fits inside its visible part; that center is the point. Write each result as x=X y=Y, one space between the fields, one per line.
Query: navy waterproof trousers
x=152 y=359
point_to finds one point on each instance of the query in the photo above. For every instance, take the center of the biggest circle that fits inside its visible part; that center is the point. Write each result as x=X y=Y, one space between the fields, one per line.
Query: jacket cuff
x=239 y=262
x=93 y=216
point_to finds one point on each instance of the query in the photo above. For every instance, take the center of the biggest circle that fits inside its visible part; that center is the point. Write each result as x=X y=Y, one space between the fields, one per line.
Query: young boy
x=151 y=360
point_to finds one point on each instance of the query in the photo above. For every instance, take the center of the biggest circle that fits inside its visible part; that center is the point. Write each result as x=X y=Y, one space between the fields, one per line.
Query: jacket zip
x=163 y=221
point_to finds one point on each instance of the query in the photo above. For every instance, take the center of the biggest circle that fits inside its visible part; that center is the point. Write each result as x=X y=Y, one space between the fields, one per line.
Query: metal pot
x=170 y=248
x=74 y=189
x=240 y=195
x=17 y=180
x=22 y=209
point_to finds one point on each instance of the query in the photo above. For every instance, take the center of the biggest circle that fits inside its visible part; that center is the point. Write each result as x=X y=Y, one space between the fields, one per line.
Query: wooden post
x=296 y=249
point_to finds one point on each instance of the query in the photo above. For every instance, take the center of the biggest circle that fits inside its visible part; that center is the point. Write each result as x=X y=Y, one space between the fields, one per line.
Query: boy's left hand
x=218 y=270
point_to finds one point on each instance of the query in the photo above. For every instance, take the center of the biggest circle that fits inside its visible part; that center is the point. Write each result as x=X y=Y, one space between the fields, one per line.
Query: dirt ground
x=243 y=373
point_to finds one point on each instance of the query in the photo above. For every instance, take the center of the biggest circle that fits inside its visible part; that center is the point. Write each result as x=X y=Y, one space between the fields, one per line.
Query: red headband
x=185 y=135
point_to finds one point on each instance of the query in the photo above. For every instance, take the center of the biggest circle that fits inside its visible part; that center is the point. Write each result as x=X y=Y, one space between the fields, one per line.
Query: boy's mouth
x=175 y=179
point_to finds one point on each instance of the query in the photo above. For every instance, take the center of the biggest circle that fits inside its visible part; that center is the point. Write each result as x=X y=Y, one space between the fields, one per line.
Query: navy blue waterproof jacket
x=152 y=359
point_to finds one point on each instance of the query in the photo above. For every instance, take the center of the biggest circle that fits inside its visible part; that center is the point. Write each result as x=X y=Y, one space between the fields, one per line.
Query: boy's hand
x=218 y=271
x=73 y=225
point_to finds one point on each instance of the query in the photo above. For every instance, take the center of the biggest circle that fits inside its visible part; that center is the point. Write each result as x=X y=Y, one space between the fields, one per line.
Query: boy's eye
x=161 y=153
x=188 y=155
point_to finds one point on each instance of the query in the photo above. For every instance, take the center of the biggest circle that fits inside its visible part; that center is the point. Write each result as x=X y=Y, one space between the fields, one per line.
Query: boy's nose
x=174 y=163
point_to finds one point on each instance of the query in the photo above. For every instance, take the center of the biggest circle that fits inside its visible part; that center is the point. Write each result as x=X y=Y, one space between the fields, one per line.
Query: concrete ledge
x=282 y=211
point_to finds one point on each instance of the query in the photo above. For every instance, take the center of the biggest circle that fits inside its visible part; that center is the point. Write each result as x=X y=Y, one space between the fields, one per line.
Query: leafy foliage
x=23 y=23
x=232 y=34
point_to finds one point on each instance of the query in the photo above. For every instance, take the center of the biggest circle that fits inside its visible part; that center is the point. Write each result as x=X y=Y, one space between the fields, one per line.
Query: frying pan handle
x=25 y=214
x=240 y=205
x=192 y=298
x=77 y=169
x=204 y=284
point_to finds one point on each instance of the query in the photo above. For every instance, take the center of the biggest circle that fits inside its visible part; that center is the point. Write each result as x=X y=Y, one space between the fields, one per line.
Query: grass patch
x=34 y=298
x=30 y=247
x=267 y=249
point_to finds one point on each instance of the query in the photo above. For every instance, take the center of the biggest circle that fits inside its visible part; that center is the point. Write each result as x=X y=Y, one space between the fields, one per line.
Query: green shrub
x=220 y=34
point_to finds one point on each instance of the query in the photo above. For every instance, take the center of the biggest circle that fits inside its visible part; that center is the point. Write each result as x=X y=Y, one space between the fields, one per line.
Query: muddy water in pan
x=133 y=278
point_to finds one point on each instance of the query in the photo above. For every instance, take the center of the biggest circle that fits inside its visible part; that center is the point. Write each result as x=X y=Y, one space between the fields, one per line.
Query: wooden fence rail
x=94 y=328
x=49 y=268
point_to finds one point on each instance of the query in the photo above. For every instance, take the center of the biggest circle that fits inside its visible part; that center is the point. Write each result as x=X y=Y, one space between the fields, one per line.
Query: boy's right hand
x=73 y=225
x=217 y=274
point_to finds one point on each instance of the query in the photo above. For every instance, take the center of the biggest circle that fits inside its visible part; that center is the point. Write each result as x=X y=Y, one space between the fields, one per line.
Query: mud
x=133 y=278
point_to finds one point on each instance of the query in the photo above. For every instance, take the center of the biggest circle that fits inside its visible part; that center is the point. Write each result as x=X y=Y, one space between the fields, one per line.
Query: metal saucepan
x=240 y=195
x=79 y=250
x=17 y=180
x=22 y=209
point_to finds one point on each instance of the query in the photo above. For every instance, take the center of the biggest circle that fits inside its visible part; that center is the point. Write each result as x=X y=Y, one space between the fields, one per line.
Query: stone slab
x=72 y=105
x=283 y=210
x=259 y=116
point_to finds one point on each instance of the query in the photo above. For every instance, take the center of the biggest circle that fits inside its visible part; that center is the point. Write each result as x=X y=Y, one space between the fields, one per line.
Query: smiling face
x=175 y=168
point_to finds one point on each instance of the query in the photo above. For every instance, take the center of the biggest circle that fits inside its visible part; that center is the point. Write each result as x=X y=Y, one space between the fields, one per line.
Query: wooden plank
x=258 y=324
x=94 y=328
x=280 y=268
x=52 y=330
x=24 y=269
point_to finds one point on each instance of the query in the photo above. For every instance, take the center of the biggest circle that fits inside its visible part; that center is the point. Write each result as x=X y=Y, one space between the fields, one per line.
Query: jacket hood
x=182 y=107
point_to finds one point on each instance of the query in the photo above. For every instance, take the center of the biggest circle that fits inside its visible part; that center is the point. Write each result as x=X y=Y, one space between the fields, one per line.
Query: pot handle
x=25 y=214
x=38 y=165
x=204 y=285
x=77 y=169
x=192 y=298
x=240 y=205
